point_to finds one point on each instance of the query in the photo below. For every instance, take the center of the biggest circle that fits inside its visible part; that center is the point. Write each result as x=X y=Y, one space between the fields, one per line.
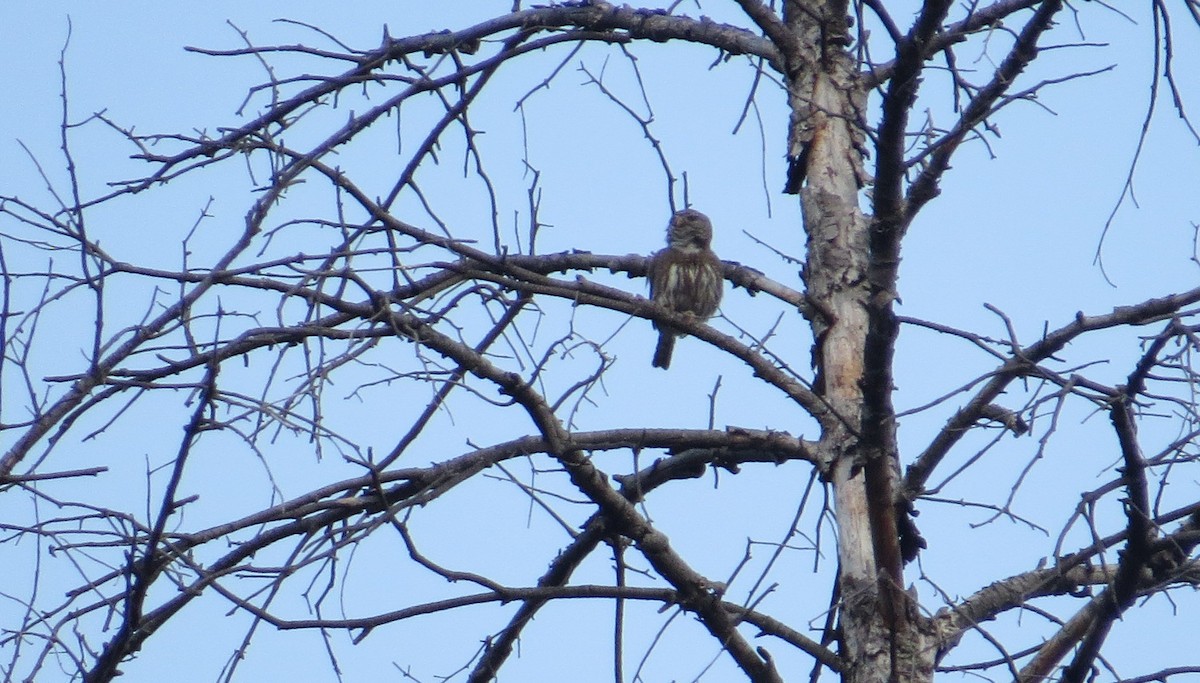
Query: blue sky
x=1017 y=231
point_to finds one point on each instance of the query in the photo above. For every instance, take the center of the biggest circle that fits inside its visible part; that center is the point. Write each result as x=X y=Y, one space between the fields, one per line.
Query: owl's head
x=689 y=230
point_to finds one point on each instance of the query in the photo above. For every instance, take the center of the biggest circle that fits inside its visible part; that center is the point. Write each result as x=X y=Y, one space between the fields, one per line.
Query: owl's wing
x=656 y=274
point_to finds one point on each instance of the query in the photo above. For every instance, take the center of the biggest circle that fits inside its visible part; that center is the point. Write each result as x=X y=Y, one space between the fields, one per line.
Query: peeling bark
x=882 y=636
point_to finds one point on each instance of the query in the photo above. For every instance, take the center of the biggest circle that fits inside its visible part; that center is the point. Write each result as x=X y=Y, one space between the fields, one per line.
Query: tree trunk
x=883 y=638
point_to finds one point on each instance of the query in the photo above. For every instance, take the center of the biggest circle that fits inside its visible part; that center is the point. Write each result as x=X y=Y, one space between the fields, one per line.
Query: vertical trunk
x=882 y=637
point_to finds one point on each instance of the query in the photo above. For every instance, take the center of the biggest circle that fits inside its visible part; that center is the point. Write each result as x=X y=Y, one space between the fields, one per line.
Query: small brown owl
x=685 y=277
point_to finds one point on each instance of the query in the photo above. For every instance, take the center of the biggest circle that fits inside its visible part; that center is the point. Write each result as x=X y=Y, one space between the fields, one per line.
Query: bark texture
x=882 y=636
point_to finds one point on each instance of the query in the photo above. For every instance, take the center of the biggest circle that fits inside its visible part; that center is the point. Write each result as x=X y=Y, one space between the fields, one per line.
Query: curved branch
x=772 y=25
x=979 y=18
x=1024 y=51
x=1140 y=531
x=1023 y=362
x=584 y=292
x=695 y=592
x=897 y=103
x=1067 y=576
x=690 y=463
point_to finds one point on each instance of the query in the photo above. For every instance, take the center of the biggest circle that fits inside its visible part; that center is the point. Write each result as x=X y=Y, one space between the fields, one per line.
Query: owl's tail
x=662 y=352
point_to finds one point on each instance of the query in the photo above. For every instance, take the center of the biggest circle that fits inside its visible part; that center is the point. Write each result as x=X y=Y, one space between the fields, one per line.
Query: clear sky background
x=1017 y=227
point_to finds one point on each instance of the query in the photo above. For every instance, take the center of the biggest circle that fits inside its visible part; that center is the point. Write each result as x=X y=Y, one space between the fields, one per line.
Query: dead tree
x=365 y=358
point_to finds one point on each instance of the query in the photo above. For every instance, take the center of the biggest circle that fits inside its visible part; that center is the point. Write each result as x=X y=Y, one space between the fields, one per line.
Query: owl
x=685 y=277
